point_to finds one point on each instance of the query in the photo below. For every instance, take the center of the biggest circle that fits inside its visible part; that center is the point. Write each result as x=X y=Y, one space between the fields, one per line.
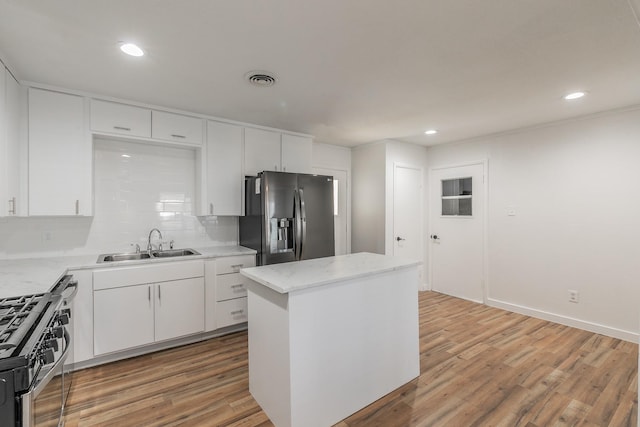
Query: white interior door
x=340 y=225
x=457 y=231
x=407 y=213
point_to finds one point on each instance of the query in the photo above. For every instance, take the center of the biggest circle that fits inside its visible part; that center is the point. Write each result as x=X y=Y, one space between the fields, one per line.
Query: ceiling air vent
x=261 y=78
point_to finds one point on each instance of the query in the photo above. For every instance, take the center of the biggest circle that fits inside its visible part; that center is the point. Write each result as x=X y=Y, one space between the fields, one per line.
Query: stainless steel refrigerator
x=288 y=217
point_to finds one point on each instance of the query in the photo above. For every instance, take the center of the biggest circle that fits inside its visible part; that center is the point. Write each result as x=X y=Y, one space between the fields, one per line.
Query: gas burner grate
x=13 y=313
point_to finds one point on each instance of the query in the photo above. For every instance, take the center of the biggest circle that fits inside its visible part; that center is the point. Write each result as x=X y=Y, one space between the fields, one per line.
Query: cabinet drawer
x=233 y=264
x=231 y=312
x=128 y=276
x=122 y=119
x=176 y=127
x=230 y=286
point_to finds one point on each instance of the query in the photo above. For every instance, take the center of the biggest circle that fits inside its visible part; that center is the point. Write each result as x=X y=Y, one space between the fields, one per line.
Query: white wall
x=368 y=198
x=574 y=186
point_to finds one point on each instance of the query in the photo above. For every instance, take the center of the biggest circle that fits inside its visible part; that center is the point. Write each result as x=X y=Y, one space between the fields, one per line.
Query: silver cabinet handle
x=239 y=285
x=233 y=313
x=284 y=169
x=275 y=167
x=149 y=293
x=237 y=266
x=159 y=292
x=178 y=136
x=12 y=209
x=210 y=208
x=399 y=239
x=122 y=128
x=77 y=207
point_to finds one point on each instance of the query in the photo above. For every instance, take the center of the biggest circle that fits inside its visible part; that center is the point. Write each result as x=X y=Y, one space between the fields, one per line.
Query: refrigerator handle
x=297 y=238
x=303 y=222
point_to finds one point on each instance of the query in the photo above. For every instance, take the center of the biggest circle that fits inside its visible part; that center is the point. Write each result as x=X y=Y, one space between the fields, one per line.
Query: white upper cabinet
x=296 y=153
x=261 y=151
x=111 y=117
x=11 y=162
x=60 y=156
x=224 y=178
x=273 y=151
x=176 y=128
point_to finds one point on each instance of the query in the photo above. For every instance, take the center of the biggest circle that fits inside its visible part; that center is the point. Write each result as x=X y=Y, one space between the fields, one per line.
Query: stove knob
x=57 y=332
x=63 y=319
x=52 y=343
x=47 y=356
x=67 y=311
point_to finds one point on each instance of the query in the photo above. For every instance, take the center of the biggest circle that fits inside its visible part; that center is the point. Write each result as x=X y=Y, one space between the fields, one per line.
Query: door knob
x=434 y=236
x=399 y=239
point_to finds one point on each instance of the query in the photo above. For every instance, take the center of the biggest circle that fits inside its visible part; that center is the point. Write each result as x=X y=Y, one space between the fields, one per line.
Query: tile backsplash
x=137 y=187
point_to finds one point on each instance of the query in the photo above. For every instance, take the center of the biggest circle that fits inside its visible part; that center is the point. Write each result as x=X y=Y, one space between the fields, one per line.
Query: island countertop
x=294 y=276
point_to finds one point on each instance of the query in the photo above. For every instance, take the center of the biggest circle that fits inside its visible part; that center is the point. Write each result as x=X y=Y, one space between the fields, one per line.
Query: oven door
x=43 y=404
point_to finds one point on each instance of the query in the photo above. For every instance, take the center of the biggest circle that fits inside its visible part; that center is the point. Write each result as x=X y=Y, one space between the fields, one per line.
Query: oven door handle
x=40 y=384
x=72 y=284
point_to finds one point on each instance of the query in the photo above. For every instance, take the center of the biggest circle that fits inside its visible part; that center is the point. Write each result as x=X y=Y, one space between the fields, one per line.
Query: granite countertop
x=294 y=276
x=36 y=275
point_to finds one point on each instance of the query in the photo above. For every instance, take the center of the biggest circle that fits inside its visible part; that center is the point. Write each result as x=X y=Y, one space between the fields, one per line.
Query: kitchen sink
x=123 y=257
x=173 y=253
x=170 y=253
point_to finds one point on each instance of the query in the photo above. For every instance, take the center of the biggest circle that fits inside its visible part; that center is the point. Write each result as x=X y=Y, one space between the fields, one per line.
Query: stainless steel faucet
x=149 y=246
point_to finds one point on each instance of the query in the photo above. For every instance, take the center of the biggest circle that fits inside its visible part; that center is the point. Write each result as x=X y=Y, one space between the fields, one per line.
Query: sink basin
x=123 y=257
x=169 y=253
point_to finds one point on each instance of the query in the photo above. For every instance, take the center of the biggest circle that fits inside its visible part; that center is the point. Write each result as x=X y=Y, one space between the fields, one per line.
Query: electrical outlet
x=573 y=296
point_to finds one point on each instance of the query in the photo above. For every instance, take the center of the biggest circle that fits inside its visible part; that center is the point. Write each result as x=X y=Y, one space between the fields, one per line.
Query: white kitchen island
x=329 y=336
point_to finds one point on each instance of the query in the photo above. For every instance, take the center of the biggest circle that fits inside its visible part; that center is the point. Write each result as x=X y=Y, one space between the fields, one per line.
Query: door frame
x=485 y=222
x=420 y=232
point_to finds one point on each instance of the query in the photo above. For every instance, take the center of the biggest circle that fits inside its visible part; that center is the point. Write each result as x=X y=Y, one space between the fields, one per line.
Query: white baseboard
x=565 y=320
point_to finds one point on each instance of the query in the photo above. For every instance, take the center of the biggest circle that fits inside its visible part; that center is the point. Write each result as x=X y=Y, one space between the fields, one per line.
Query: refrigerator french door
x=288 y=217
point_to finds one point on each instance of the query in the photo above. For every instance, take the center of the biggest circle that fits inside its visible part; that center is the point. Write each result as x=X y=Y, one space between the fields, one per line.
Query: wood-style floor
x=480 y=366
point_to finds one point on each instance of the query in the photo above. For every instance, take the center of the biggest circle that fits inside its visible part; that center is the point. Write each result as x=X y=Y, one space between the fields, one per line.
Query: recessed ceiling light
x=131 y=49
x=126 y=156
x=574 y=95
x=430 y=132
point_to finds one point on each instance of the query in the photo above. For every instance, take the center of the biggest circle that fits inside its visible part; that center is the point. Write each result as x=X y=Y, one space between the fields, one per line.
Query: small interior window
x=457 y=195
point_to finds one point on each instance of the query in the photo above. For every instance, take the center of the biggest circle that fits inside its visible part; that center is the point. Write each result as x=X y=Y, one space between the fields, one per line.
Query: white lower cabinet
x=226 y=291
x=129 y=313
x=123 y=318
x=179 y=308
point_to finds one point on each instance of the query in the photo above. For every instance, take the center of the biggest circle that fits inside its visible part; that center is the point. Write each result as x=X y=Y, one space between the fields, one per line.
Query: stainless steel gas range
x=35 y=340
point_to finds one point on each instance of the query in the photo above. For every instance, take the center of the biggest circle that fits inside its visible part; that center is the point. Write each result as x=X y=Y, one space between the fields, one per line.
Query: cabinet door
x=179 y=308
x=224 y=169
x=176 y=128
x=231 y=312
x=59 y=155
x=230 y=286
x=261 y=151
x=122 y=318
x=296 y=154
x=111 y=117
x=4 y=161
x=16 y=163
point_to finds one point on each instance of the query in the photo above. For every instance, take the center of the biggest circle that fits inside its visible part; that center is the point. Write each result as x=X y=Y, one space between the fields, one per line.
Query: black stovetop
x=19 y=316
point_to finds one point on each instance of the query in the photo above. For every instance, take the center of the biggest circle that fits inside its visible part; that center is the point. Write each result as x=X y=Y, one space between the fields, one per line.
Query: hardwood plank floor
x=480 y=366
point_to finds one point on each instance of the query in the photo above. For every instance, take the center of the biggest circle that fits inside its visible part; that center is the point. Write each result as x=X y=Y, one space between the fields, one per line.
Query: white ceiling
x=349 y=71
